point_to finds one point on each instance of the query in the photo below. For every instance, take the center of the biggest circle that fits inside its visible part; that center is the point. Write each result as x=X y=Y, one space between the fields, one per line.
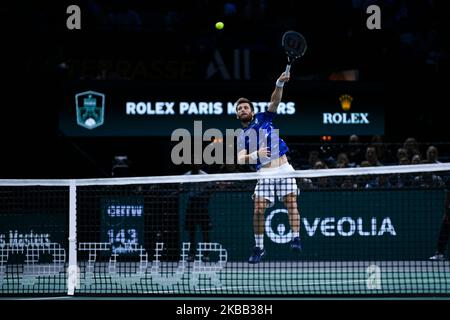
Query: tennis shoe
x=296 y=245
x=191 y=257
x=257 y=255
x=437 y=257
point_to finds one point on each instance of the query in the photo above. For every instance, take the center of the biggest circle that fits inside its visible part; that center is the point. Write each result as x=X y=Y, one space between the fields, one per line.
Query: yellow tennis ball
x=219 y=25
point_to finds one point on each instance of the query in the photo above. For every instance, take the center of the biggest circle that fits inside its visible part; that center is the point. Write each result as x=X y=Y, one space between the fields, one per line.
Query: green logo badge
x=90 y=109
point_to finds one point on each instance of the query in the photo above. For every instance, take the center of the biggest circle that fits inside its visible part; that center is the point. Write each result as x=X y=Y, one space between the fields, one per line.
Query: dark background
x=38 y=54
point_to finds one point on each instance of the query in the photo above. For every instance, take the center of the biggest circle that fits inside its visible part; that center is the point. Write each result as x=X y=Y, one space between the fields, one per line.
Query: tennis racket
x=294 y=45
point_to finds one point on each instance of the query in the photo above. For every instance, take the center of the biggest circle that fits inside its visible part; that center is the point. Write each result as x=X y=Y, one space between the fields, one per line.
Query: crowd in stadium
x=358 y=154
x=413 y=34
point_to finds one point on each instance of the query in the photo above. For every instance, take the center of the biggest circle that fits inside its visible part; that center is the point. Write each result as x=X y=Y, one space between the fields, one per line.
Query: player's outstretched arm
x=243 y=157
x=275 y=99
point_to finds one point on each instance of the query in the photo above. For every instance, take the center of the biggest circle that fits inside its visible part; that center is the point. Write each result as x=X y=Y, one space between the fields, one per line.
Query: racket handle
x=288 y=68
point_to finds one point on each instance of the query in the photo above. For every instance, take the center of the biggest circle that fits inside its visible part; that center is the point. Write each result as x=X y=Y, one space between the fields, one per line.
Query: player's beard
x=246 y=118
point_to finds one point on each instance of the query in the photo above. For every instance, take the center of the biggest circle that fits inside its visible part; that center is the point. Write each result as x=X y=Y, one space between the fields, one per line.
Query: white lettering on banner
x=158 y=272
x=327 y=228
x=158 y=276
x=261 y=106
x=361 y=231
x=201 y=108
x=340 y=227
x=347 y=226
x=125 y=210
x=231 y=108
x=120 y=238
x=284 y=108
x=147 y=108
x=32 y=245
x=198 y=108
x=311 y=230
x=386 y=226
x=346 y=118
x=218 y=65
x=20 y=240
x=374 y=226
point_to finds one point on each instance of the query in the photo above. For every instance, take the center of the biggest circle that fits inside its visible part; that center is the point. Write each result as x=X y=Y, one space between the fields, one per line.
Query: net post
x=72 y=271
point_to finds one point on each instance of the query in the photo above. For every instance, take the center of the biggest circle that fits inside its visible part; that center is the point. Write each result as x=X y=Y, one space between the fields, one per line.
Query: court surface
x=281 y=279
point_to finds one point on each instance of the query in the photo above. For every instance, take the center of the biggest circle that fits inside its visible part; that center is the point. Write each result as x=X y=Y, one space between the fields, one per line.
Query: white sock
x=259 y=240
x=295 y=235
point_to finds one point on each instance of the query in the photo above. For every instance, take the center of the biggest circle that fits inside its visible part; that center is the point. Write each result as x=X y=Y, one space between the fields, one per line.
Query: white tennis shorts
x=271 y=188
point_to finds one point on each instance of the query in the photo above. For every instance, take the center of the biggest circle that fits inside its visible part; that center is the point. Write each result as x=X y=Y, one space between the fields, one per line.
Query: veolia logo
x=278 y=230
x=277 y=226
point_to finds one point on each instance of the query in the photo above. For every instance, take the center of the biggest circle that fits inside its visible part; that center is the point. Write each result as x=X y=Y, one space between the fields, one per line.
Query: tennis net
x=363 y=231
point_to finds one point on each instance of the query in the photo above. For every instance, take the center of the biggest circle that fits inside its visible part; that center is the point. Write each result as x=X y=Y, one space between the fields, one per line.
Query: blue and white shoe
x=437 y=257
x=296 y=245
x=257 y=255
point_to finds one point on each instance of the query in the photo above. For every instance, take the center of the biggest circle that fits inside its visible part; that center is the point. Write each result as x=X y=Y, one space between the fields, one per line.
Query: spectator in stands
x=365 y=164
x=383 y=153
x=322 y=182
x=348 y=183
x=294 y=158
x=355 y=154
x=122 y=18
x=402 y=153
x=412 y=147
x=404 y=179
x=96 y=18
x=371 y=157
x=403 y=161
x=428 y=180
x=313 y=157
x=380 y=181
x=342 y=160
x=230 y=185
x=305 y=183
x=228 y=168
x=121 y=167
x=432 y=155
x=363 y=179
x=416 y=159
x=320 y=165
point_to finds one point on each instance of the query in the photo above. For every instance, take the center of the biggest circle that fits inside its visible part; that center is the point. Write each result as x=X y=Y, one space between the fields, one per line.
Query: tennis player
x=268 y=153
x=444 y=232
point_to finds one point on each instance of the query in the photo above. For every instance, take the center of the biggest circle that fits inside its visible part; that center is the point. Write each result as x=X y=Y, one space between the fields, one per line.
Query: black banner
x=112 y=109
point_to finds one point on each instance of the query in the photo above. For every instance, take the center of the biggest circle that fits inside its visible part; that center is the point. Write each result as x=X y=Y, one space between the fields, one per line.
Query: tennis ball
x=219 y=25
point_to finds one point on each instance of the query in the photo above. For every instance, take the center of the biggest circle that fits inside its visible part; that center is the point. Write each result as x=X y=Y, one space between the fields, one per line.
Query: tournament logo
x=90 y=106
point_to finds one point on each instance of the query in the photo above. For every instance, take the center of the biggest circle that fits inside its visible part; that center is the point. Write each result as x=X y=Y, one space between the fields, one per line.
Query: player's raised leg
x=290 y=201
x=258 y=229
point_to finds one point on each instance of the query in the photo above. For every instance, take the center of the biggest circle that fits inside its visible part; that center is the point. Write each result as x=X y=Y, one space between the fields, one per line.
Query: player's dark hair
x=244 y=100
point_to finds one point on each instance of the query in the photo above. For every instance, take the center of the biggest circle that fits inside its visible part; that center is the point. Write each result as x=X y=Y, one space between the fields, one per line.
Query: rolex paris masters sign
x=90 y=107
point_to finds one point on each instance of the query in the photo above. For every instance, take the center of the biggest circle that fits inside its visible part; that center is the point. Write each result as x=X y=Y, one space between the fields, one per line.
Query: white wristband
x=280 y=84
x=254 y=155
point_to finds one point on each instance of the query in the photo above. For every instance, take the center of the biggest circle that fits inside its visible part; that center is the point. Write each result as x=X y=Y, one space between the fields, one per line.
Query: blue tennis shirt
x=266 y=136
